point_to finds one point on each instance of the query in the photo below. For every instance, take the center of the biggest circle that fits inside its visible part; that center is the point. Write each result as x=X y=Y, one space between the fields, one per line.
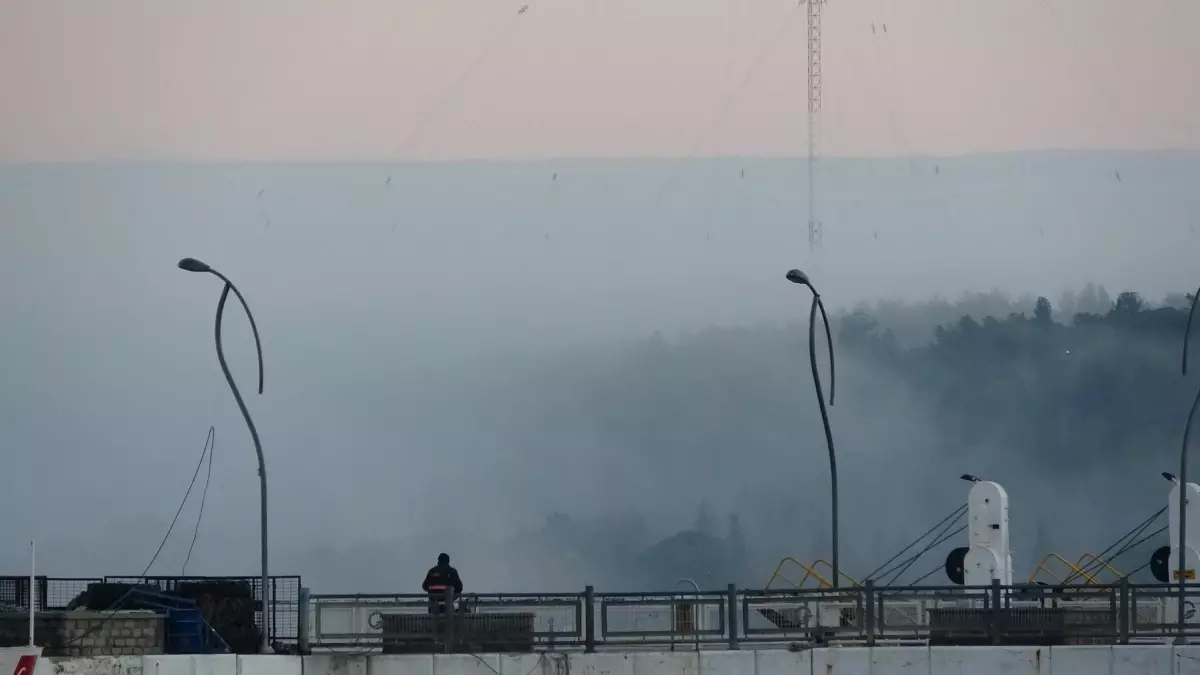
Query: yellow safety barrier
x=1076 y=570
x=853 y=582
x=810 y=572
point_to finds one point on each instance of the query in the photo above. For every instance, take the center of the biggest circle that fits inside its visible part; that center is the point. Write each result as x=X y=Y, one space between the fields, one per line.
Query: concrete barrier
x=1081 y=660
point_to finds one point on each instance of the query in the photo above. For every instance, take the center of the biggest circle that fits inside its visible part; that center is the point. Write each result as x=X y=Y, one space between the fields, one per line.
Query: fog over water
x=457 y=352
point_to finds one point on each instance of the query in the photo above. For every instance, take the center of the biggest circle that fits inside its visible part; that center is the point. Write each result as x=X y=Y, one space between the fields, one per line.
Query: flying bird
x=1117 y=174
x=524 y=8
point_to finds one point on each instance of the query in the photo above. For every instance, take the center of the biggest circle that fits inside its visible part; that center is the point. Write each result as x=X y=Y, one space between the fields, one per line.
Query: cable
x=942 y=538
x=195 y=474
x=116 y=606
x=1123 y=542
x=1097 y=564
x=928 y=574
x=955 y=514
x=727 y=104
x=450 y=92
x=211 y=444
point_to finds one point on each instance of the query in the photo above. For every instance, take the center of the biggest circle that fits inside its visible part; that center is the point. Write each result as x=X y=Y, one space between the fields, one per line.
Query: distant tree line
x=1083 y=390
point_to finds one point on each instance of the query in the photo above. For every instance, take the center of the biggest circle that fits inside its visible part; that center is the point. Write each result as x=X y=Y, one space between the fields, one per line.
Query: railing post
x=302 y=620
x=868 y=596
x=995 y=613
x=1126 y=612
x=448 y=616
x=589 y=619
x=731 y=602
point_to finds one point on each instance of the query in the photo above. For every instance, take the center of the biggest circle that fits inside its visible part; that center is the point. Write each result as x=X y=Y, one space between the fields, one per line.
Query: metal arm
x=1188 y=329
x=829 y=341
x=253 y=326
x=262 y=465
x=816 y=374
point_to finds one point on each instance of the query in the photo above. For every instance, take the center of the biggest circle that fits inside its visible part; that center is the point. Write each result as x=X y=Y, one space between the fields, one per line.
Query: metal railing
x=52 y=593
x=730 y=619
x=282 y=602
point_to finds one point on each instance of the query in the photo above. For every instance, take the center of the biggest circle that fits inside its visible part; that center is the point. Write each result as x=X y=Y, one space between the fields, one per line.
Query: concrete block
x=781 y=662
x=534 y=664
x=727 y=663
x=267 y=664
x=842 y=661
x=399 y=664
x=658 y=663
x=900 y=660
x=1187 y=659
x=1082 y=660
x=1006 y=660
x=465 y=664
x=95 y=665
x=608 y=663
x=334 y=664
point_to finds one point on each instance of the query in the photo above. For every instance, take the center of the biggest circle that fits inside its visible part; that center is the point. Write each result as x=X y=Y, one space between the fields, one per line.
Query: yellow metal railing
x=819 y=562
x=810 y=572
x=1076 y=570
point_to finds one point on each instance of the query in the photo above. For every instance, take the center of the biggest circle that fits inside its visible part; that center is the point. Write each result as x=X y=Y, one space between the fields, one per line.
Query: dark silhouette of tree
x=1043 y=315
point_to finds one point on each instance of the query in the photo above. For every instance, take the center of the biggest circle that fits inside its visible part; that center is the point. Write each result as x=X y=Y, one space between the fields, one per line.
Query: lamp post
x=798 y=277
x=1181 y=637
x=193 y=265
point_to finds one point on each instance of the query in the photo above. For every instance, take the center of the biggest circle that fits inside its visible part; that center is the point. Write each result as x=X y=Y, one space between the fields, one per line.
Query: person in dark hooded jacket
x=437 y=580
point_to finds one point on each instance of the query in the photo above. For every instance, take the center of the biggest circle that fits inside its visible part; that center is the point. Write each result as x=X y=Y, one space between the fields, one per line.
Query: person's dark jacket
x=442 y=575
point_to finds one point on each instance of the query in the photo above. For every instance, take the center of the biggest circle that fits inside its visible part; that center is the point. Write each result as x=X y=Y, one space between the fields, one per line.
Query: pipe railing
x=733 y=618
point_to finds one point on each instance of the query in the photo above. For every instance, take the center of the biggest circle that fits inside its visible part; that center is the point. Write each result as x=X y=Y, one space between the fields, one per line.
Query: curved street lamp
x=193 y=265
x=1181 y=638
x=798 y=277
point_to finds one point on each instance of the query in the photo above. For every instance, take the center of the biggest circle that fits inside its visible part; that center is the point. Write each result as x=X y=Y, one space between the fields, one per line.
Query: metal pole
x=32 y=587
x=1181 y=637
x=304 y=625
x=589 y=619
x=265 y=646
x=816 y=374
x=731 y=601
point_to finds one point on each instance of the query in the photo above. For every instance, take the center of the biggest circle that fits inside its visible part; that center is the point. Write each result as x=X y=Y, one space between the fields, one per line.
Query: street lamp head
x=797 y=277
x=193 y=265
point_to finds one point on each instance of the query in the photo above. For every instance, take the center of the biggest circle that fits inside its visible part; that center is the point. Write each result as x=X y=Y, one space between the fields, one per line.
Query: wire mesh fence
x=51 y=593
x=282 y=602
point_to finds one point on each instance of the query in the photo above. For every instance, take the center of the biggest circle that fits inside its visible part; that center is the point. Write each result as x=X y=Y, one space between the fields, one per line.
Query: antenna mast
x=814 y=117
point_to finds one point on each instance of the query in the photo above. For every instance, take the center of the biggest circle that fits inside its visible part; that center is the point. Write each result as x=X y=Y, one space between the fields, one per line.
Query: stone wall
x=82 y=634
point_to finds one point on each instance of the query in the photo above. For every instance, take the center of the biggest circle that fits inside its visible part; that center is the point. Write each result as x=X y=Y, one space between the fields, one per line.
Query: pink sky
x=352 y=79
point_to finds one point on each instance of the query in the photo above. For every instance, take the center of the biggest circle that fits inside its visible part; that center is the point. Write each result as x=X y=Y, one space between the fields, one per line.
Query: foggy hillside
x=547 y=369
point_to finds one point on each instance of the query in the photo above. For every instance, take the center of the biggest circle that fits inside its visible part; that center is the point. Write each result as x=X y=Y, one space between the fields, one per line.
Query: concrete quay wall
x=1075 y=660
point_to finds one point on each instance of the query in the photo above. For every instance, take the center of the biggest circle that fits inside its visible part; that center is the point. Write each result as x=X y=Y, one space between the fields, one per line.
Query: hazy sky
x=317 y=79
